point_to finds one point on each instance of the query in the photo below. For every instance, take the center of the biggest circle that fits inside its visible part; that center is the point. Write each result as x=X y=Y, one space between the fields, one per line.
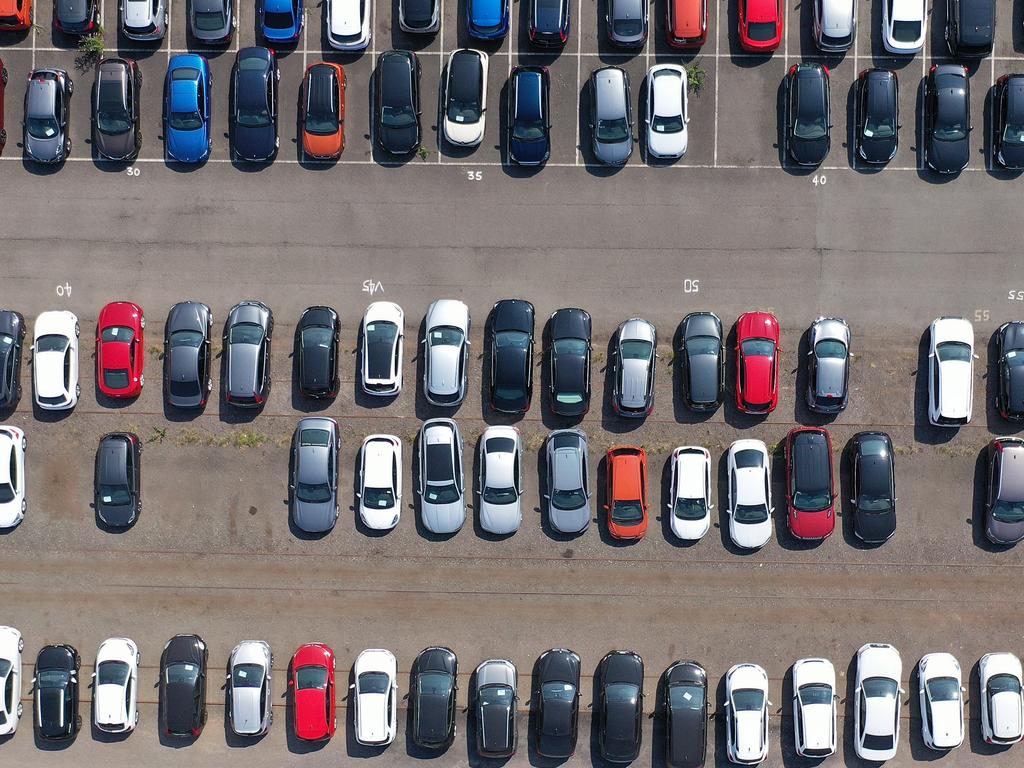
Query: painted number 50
x=691 y=286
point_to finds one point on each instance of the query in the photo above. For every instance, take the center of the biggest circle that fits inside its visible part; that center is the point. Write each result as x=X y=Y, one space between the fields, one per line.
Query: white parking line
x=238 y=27
x=33 y=43
x=167 y=36
x=718 y=38
x=440 y=73
x=305 y=40
x=579 y=62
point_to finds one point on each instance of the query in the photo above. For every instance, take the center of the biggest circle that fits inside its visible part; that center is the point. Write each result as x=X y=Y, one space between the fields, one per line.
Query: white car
x=376 y=697
x=381 y=349
x=55 y=361
x=12 y=476
x=903 y=25
x=465 y=97
x=668 y=111
x=249 y=688
x=1002 y=706
x=942 y=701
x=380 y=482
x=500 y=482
x=442 y=486
x=11 y=646
x=446 y=337
x=690 y=490
x=348 y=24
x=115 y=684
x=835 y=24
x=746 y=714
x=950 y=371
x=750 y=494
x=814 y=707
x=876 y=711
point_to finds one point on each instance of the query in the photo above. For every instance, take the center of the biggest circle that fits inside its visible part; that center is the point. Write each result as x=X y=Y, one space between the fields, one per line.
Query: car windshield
x=628 y=27
x=667 y=123
x=6 y=493
x=51 y=678
x=210 y=21
x=761 y=31
x=879 y=126
x=5 y=668
x=383 y=334
x=880 y=688
x=627 y=512
x=1003 y=684
x=612 y=131
x=446 y=336
x=185 y=121
x=636 y=349
x=311 y=678
x=434 y=684
x=463 y=110
x=500 y=495
x=558 y=692
x=247 y=676
x=528 y=129
x=953 y=351
x=952 y=131
x=829 y=349
x=686 y=696
x=112 y=673
x=702 y=345
x=812 y=128
x=117 y=333
x=621 y=693
x=812 y=501
x=509 y=393
x=747 y=700
x=906 y=31
x=183 y=388
x=318 y=337
x=186 y=339
x=750 y=513
x=111 y=115
x=569 y=398
x=869 y=503
x=512 y=340
x=758 y=348
x=116 y=378
x=42 y=127
x=1008 y=511
x=570 y=347
x=115 y=495
x=322 y=119
x=6 y=342
x=444 y=494
x=689 y=509
x=1013 y=134
x=253 y=117
x=815 y=693
x=313 y=493
x=181 y=674
x=378 y=498
x=51 y=343
x=398 y=116
x=245 y=333
x=563 y=499
x=875 y=742
x=373 y=682
x=277 y=20
x=943 y=689
x=495 y=695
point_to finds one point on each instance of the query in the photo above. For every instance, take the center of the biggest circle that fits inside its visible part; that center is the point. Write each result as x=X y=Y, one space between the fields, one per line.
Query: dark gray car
x=313 y=486
x=47 y=111
x=828 y=365
x=1004 y=499
x=611 y=116
x=627 y=22
x=117 y=479
x=703 y=361
x=12 y=337
x=76 y=17
x=211 y=21
x=115 y=109
x=187 y=376
x=246 y=363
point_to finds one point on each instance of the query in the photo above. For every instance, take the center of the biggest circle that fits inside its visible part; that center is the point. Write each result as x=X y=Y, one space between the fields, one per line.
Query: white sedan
x=501 y=480
x=55 y=361
x=380 y=482
x=381 y=348
x=950 y=371
x=903 y=25
x=814 y=707
x=942 y=701
x=348 y=24
x=446 y=338
x=746 y=715
x=11 y=646
x=876 y=711
x=376 y=693
x=249 y=692
x=116 y=686
x=12 y=476
x=690 y=504
x=1002 y=706
x=668 y=111
x=750 y=494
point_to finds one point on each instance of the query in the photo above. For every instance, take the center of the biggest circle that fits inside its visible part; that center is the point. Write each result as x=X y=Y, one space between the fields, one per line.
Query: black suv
x=877 y=116
x=970 y=27
x=55 y=688
x=686 y=715
x=511 y=355
x=620 y=707
x=1010 y=353
x=12 y=337
x=183 y=686
x=1008 y=141
x=947 y=118
x=317 y=337
x=117 y=481
x=873 y=486
x=808 y=114
x=396 y=102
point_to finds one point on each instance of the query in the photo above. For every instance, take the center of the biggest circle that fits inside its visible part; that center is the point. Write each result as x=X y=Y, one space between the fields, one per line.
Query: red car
x=627 y=492
x=760 y=25
x=810 y=490
x=312 y=684
x=120 y=349
x=686 y=23
x=757 y=362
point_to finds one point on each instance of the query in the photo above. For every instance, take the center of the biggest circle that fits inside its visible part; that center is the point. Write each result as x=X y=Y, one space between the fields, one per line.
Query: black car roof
x=396 y=72
x=112 y=459
x=323 y=88
x=812 y=461
x=1014 y=91
x=881 y=92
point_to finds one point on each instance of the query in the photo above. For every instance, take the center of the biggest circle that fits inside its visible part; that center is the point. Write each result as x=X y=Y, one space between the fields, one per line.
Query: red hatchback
x=760 y=25
x=757 y=362
x=312 y=685
x=120 y=349
x=626 y=467
x=810 y=490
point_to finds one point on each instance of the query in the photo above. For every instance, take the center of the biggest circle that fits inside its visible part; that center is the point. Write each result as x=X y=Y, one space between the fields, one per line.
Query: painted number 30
x=131 y=170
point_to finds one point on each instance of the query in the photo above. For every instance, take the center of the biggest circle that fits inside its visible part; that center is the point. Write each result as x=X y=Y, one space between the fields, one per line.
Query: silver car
x=211 y=21
x=828 y=365
x=442 y=482
x=611 y=116
x=446 y=338
x=633 y=368
x=144 y=19
x=47 y=112
x=627 y=22
x=568 y=469
x=249 y=693
x=500 y=482
x=314 y=474
x=246 y=362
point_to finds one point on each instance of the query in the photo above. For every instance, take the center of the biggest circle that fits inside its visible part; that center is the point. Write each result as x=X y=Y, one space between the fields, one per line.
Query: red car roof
x=762 y=10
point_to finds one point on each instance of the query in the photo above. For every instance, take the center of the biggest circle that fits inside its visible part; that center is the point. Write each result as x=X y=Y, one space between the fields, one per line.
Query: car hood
x=1006 y=707
x=751 y=535
x=634 y=383
x=748 y=735
x=690 y=530
x=877 y=150
x=123 y=514
x=314 y=517
x=613 y=154
x=187 y=146
x=246 y=716
x=569 y=520
x=372 y=725
x=703 y=378
x=44 y=149
x=400 y=140
x=444 y=518
x=255 y=143
x=1012 y=155
x=667 y=143
x=948 y=156
x=444 y=368
x=875 y=526
x=500 y=518
x=527 y=152
x=809 y=151
x=956 y=381
x=49 y=374
x=109 y=705
x=116 y=146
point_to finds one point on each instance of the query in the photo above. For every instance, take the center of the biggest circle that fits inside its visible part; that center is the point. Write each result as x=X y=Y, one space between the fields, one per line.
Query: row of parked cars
x=554 y=701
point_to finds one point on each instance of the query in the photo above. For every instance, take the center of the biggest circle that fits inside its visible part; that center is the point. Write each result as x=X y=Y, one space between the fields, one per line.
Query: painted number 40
x=819 y=180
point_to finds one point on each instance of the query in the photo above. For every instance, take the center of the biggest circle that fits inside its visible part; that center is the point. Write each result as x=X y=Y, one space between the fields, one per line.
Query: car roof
x=610 y=92
x=1011 y=473
x=667 y=81
x=811 y=459
x=837 y=16
x=762 y=10
x=626 y=471
x=687 y=16
x=529 y=88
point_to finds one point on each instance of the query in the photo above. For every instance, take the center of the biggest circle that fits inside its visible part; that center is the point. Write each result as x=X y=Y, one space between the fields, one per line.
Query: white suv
x=942 y=701
x=376 y=692
x=1002 y=706
x=814 y=707
x=746 y=716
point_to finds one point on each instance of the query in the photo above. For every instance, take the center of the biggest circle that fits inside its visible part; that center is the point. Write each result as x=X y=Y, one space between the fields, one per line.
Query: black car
x=620 y=707
x=808 y=114
x=432 y=693
x=254 y=91
x=873 y=482
x=187 y=376
x=549 y=22
x=970 y=26
x=117 y=480
x=686 y=715
x=183 y=686
x=529 y=122
x=317 y=335
x=1010 y=354
x=12 y=337
x=511 y=355
x=396 y=102
x=877 y=117
x=947 y=118
x=117 y=130
x=76 y=17
x=703 y=361
x=569 y=334
x=55 y=689
x=556 y=695
x=1008 y=141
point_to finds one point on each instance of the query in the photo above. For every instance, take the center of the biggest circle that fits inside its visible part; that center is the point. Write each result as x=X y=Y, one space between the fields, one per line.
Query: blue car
x=487 y=19
x=529 y=122
x=187 y=134
x=280 y=20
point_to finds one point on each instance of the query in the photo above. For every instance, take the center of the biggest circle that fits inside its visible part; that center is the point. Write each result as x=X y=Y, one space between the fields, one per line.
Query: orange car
x=15 y=15
x=686 y=24
x=627 y=492
x=323 y=111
